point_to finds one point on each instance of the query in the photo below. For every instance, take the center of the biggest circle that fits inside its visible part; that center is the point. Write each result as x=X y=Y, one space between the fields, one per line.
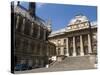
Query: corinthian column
x=74 y=47
x=44 y=36
x=89 y=44
x=81 y=46
x=67 y=47
x=38 y=32
x=23 y=25
x=31 y=32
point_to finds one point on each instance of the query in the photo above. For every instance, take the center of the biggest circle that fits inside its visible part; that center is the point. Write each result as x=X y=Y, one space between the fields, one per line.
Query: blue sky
x=61 y=14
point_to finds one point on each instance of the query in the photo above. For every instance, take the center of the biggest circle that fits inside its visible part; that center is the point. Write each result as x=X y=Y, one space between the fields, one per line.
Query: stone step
x=75 y=62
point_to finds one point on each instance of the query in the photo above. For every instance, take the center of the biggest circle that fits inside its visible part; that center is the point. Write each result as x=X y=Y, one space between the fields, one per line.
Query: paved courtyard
x=50 y=70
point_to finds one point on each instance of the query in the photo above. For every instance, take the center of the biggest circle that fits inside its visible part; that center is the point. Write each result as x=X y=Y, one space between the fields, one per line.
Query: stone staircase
x=77 y=62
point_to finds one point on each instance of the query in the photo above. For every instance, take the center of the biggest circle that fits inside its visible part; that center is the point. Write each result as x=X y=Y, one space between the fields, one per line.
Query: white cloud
x=39 y=5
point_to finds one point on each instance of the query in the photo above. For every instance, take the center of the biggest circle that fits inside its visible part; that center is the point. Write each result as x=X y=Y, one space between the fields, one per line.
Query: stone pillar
x=67 y=47
x=56 y=51
x=89 y=44
x=44 y=36
x=74 y=47
x=23 y=25
x=62 y=51
x=38 y=36
x=81 y=46
x=17 y=22
x=31 y=32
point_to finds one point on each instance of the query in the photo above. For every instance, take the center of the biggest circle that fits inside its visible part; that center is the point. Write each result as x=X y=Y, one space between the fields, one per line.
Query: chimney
x=32 y=9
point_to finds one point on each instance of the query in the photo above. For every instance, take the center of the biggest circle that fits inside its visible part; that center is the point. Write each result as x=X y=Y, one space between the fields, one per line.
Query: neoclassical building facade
x=79 y=38
x=30 y=37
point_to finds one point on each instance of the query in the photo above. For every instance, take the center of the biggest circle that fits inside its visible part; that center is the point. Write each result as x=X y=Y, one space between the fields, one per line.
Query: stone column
x=17 y=22
x=47 y=50
x=23 y=25
x=89 y=44
x=67 y=47
x=74 y=47
x=38 y=36
x=57 y=50
x=81 y=46
x=62 y=51
x=31 y=32
x=44 y=36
